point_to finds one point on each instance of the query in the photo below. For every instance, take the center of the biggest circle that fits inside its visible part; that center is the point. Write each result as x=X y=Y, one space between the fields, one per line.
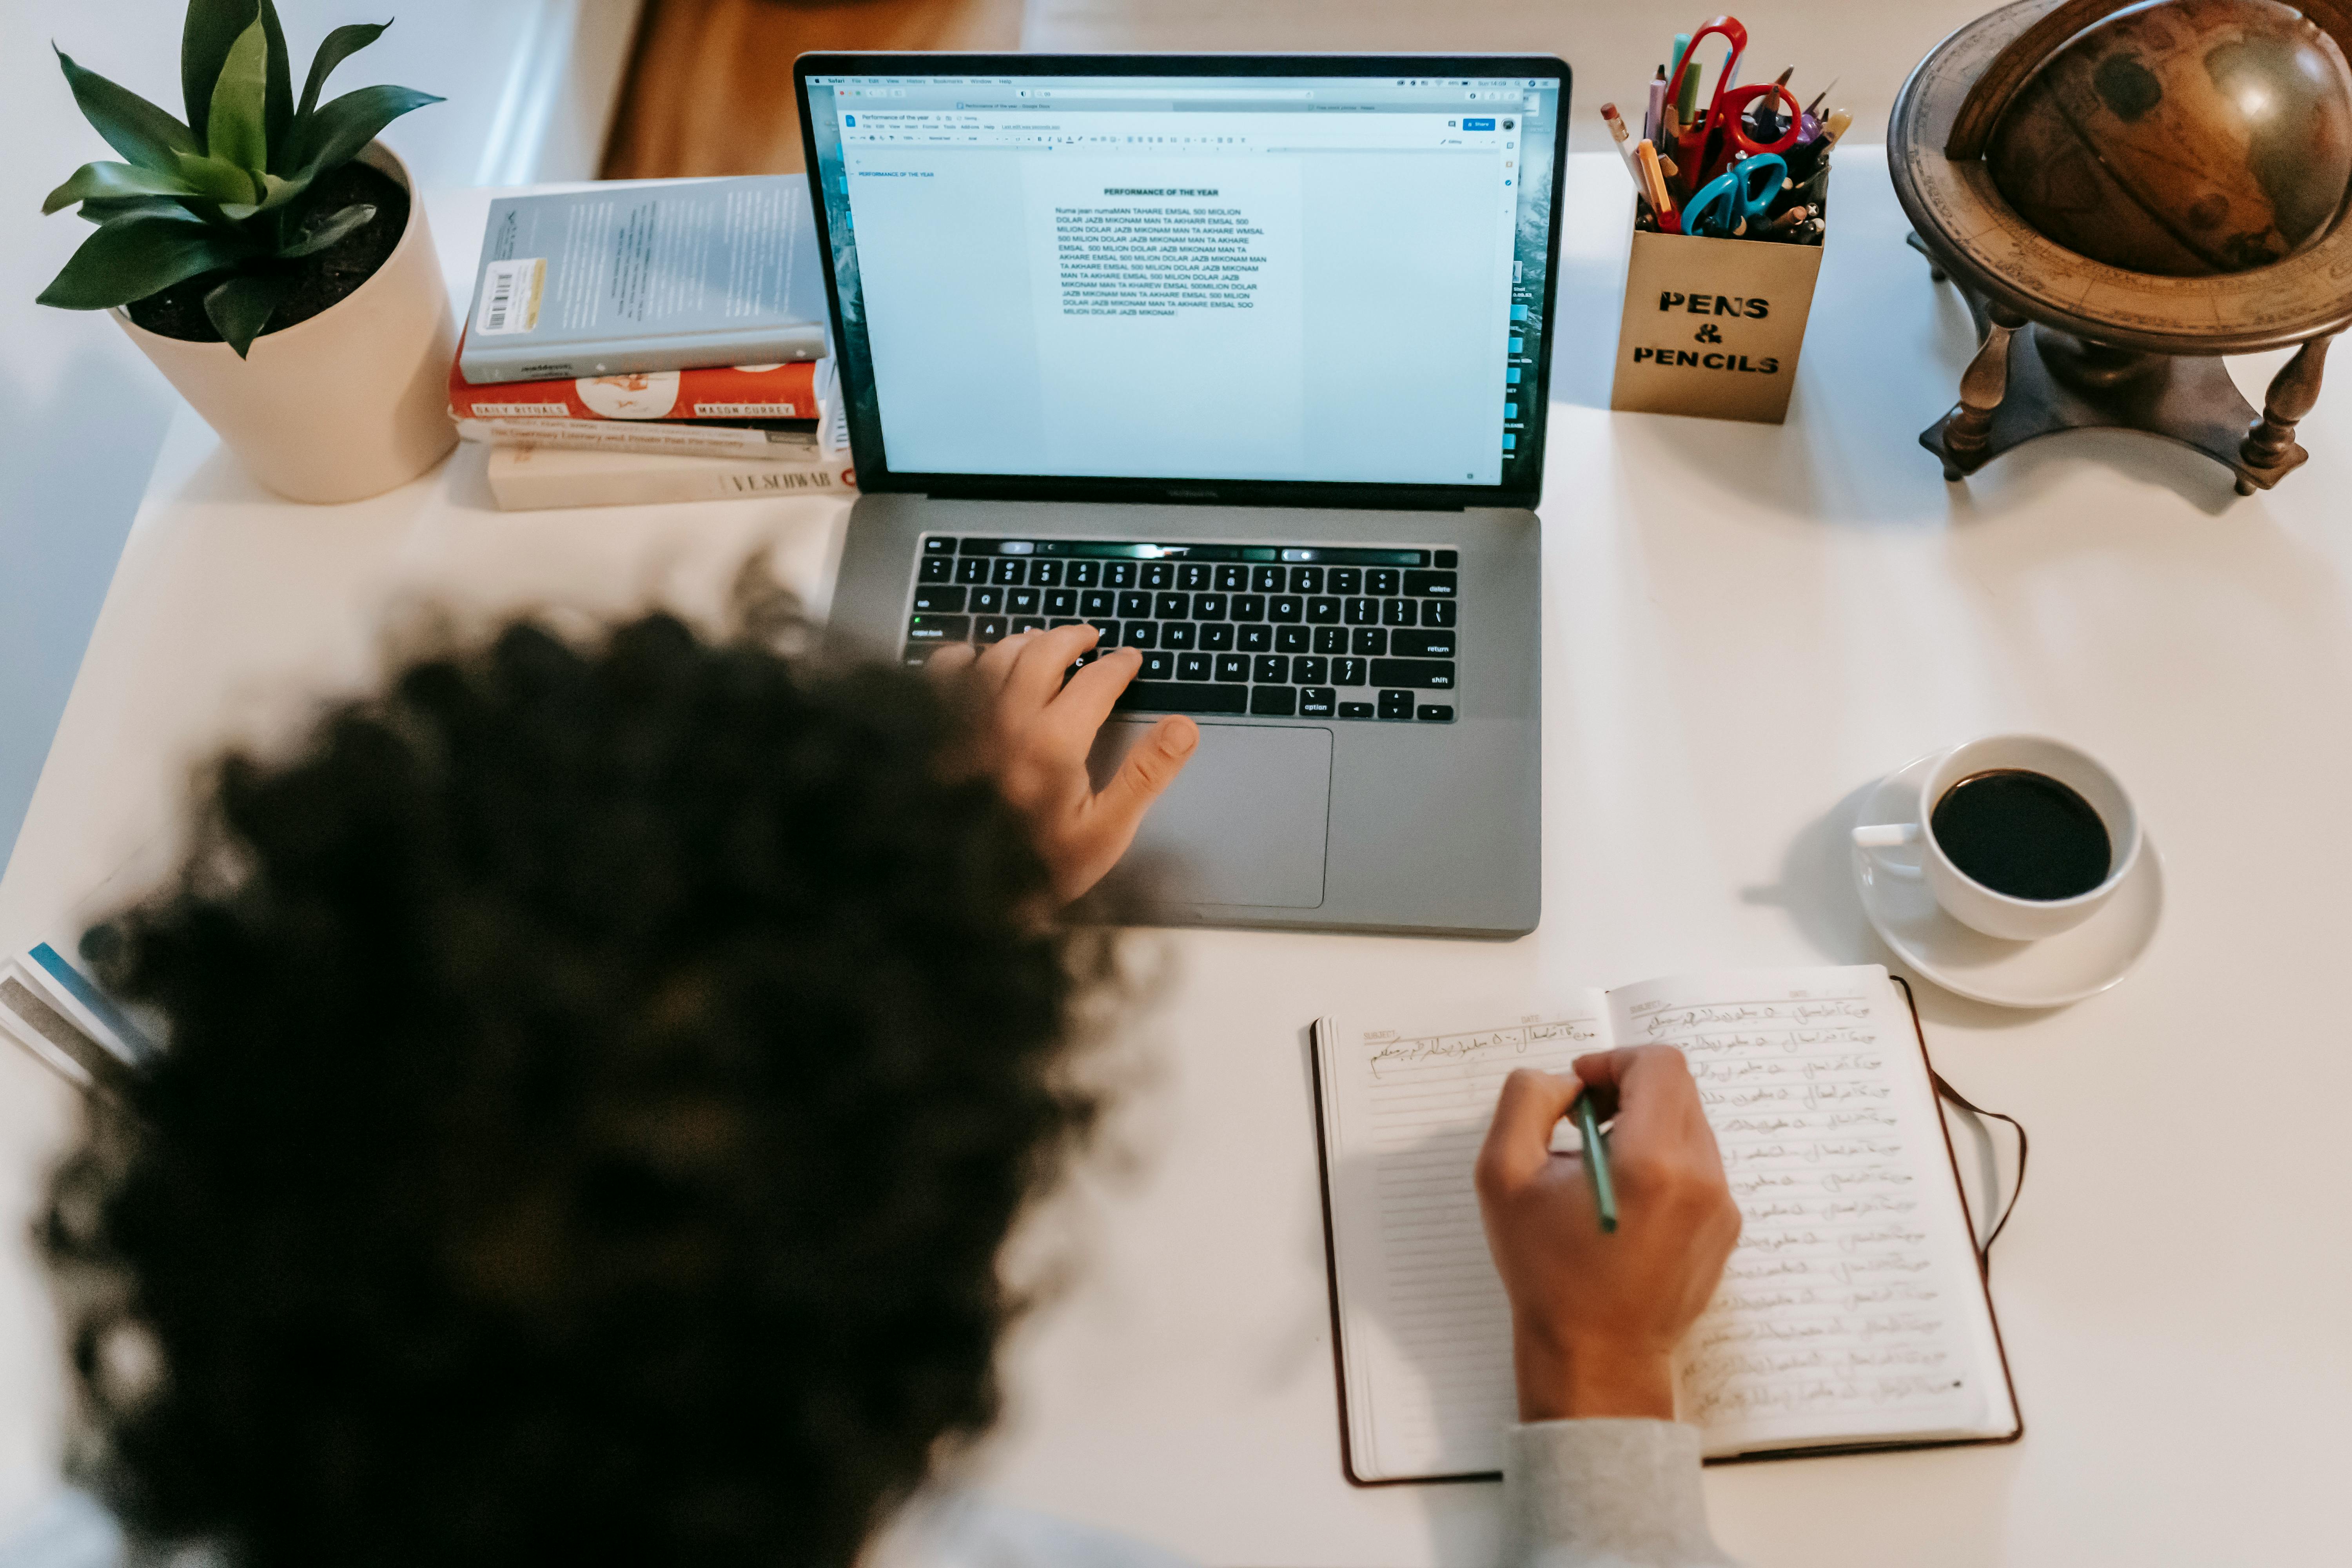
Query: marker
x=1686 y=81
x=1653 y=188
x=1654 y=121
x=1835 y=127
x=1596 y=1162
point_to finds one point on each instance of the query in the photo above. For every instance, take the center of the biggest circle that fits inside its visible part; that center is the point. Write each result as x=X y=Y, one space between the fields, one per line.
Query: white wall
x=530 y=85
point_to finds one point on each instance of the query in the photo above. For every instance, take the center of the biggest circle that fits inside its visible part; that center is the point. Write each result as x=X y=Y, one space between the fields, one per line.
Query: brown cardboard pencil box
x=1713 y=327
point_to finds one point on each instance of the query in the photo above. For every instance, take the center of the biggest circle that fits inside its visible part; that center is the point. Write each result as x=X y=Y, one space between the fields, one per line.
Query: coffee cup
x=2007 y=830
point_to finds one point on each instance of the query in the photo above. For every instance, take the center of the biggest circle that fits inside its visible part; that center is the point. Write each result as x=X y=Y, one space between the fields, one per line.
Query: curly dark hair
x=600 y=1080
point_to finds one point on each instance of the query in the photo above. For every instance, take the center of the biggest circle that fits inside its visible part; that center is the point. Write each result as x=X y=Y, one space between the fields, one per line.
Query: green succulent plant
x=230 y=191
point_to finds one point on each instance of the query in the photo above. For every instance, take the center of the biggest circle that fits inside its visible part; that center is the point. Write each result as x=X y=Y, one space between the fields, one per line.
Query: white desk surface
x=1744 y=627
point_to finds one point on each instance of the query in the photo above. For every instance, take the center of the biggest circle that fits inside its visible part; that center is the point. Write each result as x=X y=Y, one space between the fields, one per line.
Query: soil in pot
x=319 y=279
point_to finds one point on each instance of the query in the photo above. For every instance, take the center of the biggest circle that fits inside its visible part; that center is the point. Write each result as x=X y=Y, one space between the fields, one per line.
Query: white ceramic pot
x=350 y=402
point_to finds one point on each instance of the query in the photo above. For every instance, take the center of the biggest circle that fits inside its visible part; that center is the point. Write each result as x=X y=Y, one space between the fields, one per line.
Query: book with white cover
x=1855 y=1312
x=526 y=479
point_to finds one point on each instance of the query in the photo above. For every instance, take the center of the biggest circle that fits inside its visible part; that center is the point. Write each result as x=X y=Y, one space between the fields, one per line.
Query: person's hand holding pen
x=1595 y=1315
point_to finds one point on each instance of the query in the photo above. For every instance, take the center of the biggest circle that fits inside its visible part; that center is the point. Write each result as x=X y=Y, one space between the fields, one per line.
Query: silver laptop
x=1242 y=359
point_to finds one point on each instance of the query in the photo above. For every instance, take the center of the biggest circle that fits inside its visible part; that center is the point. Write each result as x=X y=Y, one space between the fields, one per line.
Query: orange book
x=736 y=393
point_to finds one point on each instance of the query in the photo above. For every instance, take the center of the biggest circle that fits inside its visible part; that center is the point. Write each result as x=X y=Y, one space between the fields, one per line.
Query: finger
x=949 y=663
x=1150 y=765
x=1518 y=1140
x=1091 y=694
x=1037 y=674
x=994 y=665
x=1646 y=1089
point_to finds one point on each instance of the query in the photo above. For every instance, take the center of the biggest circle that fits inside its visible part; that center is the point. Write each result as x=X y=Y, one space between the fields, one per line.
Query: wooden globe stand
x=2068 y=343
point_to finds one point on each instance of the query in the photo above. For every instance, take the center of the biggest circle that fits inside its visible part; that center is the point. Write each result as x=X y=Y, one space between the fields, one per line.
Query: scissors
x=1738 y=197
x=1707 y=146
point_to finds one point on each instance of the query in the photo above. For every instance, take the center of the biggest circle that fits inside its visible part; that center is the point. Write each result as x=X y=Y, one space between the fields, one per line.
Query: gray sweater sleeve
x=1605 y=1494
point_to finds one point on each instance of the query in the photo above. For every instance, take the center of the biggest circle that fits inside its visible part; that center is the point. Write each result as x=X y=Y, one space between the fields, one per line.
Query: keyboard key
x=1347 y=672
x=1273 y=701
x=1285 y=607
x=1176 y=634
x=1193 y=667
x=1371 y=642
x=1010 y=570
x=1267 y=580
x=1023 y=600
x=1363 y=611
x=1233 y=667
x=972 y=569
x=1044 y=573
x=1106 y=633
x=1356 y=710
x=1059 y=625
x=990 y=628
x=1157 y=665
x=1192 y=576
x=1256 y=640
x=1318 y=702
x=1097 y=603
x=1399 y=612
x=1331 y=639
x=1216 y=636
x=937 y=628
x=1270 y=668
x=1344 y=581
x=1173 y=606
x=1380 y=581
x=1438 y=612
x=1028 y=623
x=1172 y=696
x=1421 y=645
x=937 y=569
x=1208 y=607
x=1061 y=601
x=1307 y=579
x=917 y=655
x=1140 y=634
x=939 y=547
x=1249 y=606
x=1305 y=670
x=1232 y=579
x=1449 y=559
x=987 y=602
x=1396 y=704
x=1290 y=639
x=1085 y=573
x=1134 y=605
x=1158 y=574
x=941 y=601
x=1430 y=584
x=1434 y=713
x=1121 y=574
x=1322 y=611
x=1433 y=673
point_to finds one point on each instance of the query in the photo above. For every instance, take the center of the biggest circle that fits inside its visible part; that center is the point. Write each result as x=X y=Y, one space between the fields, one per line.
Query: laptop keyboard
x=1304 y=631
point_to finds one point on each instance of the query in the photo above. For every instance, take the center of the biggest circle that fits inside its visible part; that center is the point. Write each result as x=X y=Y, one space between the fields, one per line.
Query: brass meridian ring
x=1963 y=218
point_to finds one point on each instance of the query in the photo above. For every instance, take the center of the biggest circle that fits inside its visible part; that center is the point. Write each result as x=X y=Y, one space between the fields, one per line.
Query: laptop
x=1242 y=359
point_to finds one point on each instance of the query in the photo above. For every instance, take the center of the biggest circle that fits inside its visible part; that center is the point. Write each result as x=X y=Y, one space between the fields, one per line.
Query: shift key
x=1430 y=674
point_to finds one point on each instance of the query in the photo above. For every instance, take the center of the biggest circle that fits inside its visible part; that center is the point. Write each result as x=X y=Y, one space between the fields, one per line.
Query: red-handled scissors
x=1704 y=149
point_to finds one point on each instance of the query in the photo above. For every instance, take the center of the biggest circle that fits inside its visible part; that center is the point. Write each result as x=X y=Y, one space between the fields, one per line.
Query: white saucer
x=2050 y=973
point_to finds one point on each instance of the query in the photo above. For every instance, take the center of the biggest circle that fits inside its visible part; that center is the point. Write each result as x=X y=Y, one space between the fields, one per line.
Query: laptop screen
x=1277 y=278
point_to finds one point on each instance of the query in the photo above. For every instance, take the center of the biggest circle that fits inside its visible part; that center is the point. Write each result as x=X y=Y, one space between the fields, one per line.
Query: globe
x=2182 y=137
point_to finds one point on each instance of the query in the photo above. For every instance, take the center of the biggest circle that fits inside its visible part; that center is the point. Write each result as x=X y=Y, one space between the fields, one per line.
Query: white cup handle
x=1889 y=835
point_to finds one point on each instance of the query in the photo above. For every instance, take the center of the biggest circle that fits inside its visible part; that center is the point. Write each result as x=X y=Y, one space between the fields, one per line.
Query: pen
x=1596 y=1162
x=1653 y=122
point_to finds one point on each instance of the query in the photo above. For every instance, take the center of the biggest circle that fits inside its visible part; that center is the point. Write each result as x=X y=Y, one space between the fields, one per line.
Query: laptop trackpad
x=1243 y=824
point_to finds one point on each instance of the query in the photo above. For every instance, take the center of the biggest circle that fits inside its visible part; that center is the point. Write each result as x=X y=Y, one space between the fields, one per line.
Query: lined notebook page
x=1852 y=1309
x=1424 y=1330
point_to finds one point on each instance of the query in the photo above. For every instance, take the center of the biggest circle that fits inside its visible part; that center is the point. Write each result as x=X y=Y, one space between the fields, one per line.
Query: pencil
x=1596 y=1162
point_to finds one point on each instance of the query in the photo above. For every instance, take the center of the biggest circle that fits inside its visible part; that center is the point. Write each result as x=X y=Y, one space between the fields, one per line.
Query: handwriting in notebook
x=1834 y=1301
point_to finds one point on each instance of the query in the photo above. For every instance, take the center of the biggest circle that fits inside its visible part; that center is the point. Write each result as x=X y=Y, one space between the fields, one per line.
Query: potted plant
x=270 y=257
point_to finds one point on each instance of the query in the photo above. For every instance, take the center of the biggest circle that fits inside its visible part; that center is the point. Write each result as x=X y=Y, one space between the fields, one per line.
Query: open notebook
x=1853 y=1314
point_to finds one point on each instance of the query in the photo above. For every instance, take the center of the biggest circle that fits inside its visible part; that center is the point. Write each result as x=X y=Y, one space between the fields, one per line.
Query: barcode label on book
x=748 y=411
x=522 y=410
x=510 y=291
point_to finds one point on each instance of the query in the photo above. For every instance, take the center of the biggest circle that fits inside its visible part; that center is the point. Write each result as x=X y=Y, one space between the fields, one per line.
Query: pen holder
x=1713 y=327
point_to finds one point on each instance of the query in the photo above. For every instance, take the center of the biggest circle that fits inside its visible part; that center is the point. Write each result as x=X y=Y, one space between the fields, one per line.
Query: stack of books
x=631 y=344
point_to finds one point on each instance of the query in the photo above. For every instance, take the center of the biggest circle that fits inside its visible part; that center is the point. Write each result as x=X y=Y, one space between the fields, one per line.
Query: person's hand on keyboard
x=1595 y=1315
x=1040 y=730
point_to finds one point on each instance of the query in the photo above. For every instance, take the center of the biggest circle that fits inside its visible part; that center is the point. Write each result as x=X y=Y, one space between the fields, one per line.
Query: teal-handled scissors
x=1736 y=199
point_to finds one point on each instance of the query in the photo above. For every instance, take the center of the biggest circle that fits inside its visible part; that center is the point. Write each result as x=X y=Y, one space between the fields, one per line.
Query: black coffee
x=2023 y=834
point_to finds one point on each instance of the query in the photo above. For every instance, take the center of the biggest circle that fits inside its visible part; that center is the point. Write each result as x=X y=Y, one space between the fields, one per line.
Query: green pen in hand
x=1596 y=1162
